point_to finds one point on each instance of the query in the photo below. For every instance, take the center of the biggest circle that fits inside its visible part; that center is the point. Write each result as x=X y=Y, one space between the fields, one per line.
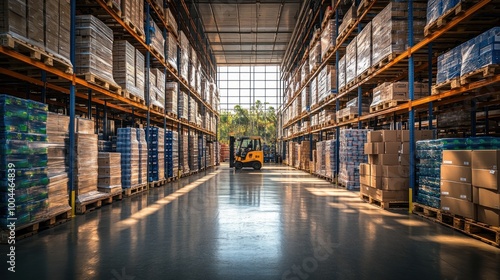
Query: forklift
x=248 y=152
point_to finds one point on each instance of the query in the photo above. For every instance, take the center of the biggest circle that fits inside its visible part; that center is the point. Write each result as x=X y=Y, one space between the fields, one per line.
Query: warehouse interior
x=123 y=123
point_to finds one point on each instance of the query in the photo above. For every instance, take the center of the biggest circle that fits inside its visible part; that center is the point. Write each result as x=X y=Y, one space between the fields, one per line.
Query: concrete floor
x=277 y=223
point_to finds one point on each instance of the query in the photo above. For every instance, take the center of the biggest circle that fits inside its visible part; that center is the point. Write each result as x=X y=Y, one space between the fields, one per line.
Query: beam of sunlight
x=412 y=223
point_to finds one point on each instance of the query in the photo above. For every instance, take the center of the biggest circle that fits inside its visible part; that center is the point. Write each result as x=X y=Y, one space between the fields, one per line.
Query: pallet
x=115 y=194
x=446 y=86
x=446 y=17
x=131 y=25
x=83 y=207
x=158 y=183
x=172 y=115
x=344 y=32
x=348 y=117
x=386 y=105
x=135 y=189
x=158 y=109
x=386 y=205
x=111 y=4
x=479 y=74
x=158 y=9
x=134 y=98
x=381 y=63
x=156 y=52
x=363 y=5
x=483 y=232
x=326 y=18
x=103 y=83
x=33 y=228
x=36 y=53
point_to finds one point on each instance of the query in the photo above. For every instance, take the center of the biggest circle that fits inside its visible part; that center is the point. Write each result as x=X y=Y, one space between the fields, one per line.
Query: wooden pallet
x=397 y=204
x=479 y=74
x=135 y=189
x=326 y=18
x=348 y=117
x=114 y=7
x=483 y=232
x=157 y=108
x=136 y=29
x=383 y=62
x=98 y=81
x=386 y=105
x=36 y=53
x=114 y=194
x=363 y=5
x=83 y=207
x=135 y=98
x=33 y=228
x=446 y=86
x=344 y=32
x=158 y=183
x=446 y=17
x=156 y=52
x=158 y=9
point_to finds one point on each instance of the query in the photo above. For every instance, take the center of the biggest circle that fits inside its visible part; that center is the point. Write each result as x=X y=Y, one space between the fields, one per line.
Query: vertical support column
x=337 y=102
x=429 y=83
x=486 y=122
x=146 y=82
x=105 y=121
x=72 y=98
x=89 y=103
x=97 y=117
x=44 y=88
x=411 y=119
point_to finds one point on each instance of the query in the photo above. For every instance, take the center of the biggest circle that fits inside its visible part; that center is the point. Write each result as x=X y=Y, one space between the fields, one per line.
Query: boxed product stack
x=193 y=109
x=109 y=178
x=351 y=109
x=327 y=82
x=390 y=29
x=140 y=80
x=313 y=89
x=171 y=22
x=342 y=72
x=56 y=29
x=328 y=37
x=57 y=165
x=161 y=153
x=128 y=146
x=156 y=155
x=194 y=161
x=397 y=91
x=436 y=8
x=350 y=61
x=349 y=18
x=171 y=50
x=184 y=56
x=364 y=49
x=304 y=150
x=486 y=185
x=86 y=166
x=23 y=165
x=330 y=163
x=455 y=186
x=183 y=153
x=314 y=56
x=480 y=51
x=305 y=95
x=351 y=154
x=94 y=48
x=171 y=97
x=183 y=105
x=143 y=155
x=448 y=65
x=304 y=72
x=320 y=158
x=133 y=12
x=157 y=39
x=124 y=66
x=192 y=69
x=171 y=153
x=160 y=87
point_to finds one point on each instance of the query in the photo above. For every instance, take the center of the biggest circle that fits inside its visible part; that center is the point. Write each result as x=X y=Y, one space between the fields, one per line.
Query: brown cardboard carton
x=405 y=148
x=376 y=182
x=365 y=179
x=376 y=170
x=374 y=136
x=395 y=184
x=457 y=157
x=364 y=169
x=456 y=173
x=456 y=190
x=486 y=178
x=419 y=135
x=364 y=189
x=379 y=148
x=488 y=216
x=404 y=159
x=475 y=195
x=384 y=195
x=392 y=147
x=369 y=149
x=388 y=159
x=405 y=136
x=486 y=159
x=372 y=159
x=391 y=135
x=460 y=207
x=488 y=198
x=395 y=171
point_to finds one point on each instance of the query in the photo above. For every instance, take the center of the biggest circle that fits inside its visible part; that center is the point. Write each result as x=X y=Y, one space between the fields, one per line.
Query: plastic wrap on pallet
x=109 y=173
x=160 y=86
x=157 y=39
x=434 y=10
x=348 y=18
x=124 y=66
x=351 y=59
x=364 y=49
x=315 y=55
x=171 y=20
x=94 y=48
x=328 y=37
x=378 y=94
x=331 y=80
x=128 y=146
x=342 y=72
x=304 y=72
x=305 y=95
x=448 y=65
x=13 y=20
x=184 y=56
x=480 y=51
x=171 y=97
x=143 y=155
x=139 y=73
x=323 y=91
x=171 y=45
x=133 y=11
x=351 y=155
x=314 y=91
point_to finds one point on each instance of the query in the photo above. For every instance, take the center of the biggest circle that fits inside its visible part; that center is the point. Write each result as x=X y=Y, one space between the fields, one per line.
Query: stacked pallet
x=348 y=20
x=109 y=178
x=128 y=146
x=94 y=49
x=342 y=72
x=143 y=155
x=183 y=105
x=351 y=155
x=319 y=157
x=388 y=95
x=184 y=152
x=171 y=153
x=328 y=37
x=486 y=185
x=133 y=14
x=124 y=67
x=305 y=95
x=171 y=22
x=350 y=61
x=23 y=163
x=330 y=159
x=437 y=8
x=364 y=50
x=327 y=82
x=156 y=154
x=352 y=109
x=159 y=87
x=314 y=55
x=313 y=90
x=57 y=164
x=171 y=50
x=194 y=152
x=185 y=49
x=157 y=39
x=171 y=97
x=304 y=153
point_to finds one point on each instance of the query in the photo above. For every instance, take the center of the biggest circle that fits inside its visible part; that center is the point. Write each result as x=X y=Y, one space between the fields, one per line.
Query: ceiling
x=248 y=32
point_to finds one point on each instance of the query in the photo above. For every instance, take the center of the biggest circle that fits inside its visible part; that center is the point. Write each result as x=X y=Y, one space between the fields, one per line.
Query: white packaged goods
x=351 y=154
x=184 y=56
x=351 y=66
x=160 y=87
x=124 y=63
x=314 y=91
x=328 y=37
x=364 y=49
x=348 y=19
x=171 y=22
x=315 y=55
x=139 y=73
x=305 y=95
x=342 y=72
x=171 y=44
x=171 y=97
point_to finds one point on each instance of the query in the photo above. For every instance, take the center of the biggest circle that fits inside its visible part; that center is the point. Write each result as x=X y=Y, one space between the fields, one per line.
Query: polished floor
x=277 y=223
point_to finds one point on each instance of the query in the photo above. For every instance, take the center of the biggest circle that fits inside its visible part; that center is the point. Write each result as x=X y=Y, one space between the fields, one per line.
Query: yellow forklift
x=248 y=152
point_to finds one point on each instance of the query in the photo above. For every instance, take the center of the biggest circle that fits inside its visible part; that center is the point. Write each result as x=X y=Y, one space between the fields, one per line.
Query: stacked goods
x=481 y=51
x=139 y=73
x=193 y=109
x=436 y=8
x=156 y=154
x=161 y=154
x=57 y=167
x=455 y=186
x=351 y=154
x=314 y=91
x=330 y=163
x=85 y=169
x=304 y=151
x=171 y=22
x=133 y=13
x=192 y=69
x=349 y=18
x=314 y=56
x=319 y=169
x=143 y=155
x=128 y=146
x=94 y=48
x=23 y=165
x=328 y=37
x=448 y=65
x=184 y=152
x=351 y=109
x=342 y=72
x=124 y=65
x=350 y=61
x=224 y=152
x=397 y=91
x=305 y=95
x=364 y=49
x=171 y=153
x=184 y=56
x=160 y=87
x=326 y=116
x=57 y=27
x=109 y=178
x=296 y=155
x=486 y=185
x=171 y=97
x=171 y=50
x=390 y=29
x=305 y=72
x=157 y=39
x=183 y=105
x=327 y=81
x=194 y=161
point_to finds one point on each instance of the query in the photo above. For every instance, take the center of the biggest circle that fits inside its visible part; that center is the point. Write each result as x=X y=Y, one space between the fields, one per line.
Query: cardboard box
x=456 y=173
x=384 y=195
x=405 y=148
x=365 y=179
x=376 y=182
x=419 y=135
x=372 y=159
x=404 y=159
x=488 y=198
x=457 y=157
x=486 y=159
x=374 y=136
x=391 y=135
x=460 y=207
x=475 y=195
x=364 y=189
x=488 y=216
x=395 y=171
x=379 y=148
x=456 y=190
x=388 y=159
x=395 y=184
x=486 y=178
x=369 y=149
x=376 y=170
x=364 y=169
x=392 y=147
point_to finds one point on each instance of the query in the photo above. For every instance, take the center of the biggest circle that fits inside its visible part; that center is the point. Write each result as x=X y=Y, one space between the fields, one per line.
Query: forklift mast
x=231 y=151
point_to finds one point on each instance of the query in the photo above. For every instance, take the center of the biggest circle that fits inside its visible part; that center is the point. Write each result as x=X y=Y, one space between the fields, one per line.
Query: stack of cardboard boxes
x=486 y=182
x=110 y=173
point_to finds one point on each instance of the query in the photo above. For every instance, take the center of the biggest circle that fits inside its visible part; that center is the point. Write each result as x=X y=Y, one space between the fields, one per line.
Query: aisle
x=277 y=223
